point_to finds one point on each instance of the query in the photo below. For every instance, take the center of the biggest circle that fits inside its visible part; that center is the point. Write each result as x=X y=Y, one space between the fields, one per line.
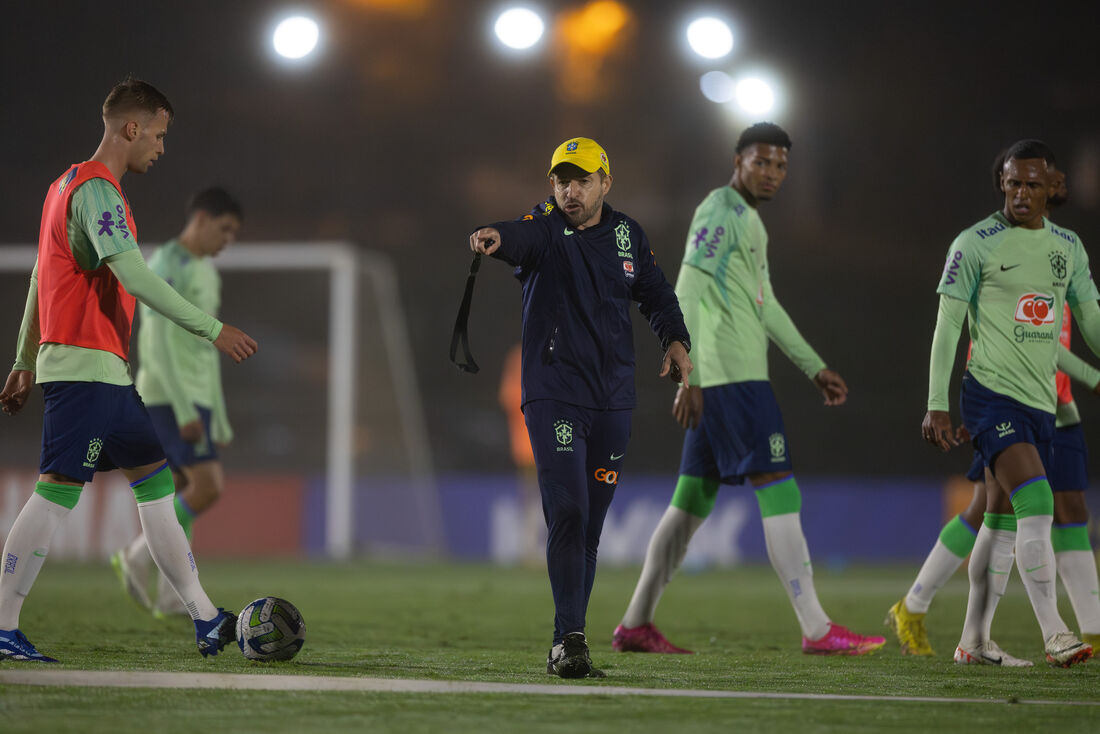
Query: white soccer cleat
x=1063 y=649
x=988 y=653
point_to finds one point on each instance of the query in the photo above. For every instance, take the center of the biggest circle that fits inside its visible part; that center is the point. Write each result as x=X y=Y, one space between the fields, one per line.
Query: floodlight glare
x=755 y=96
x=717 y=86
x=295 y=37
x=519 y=28
x=711 y=38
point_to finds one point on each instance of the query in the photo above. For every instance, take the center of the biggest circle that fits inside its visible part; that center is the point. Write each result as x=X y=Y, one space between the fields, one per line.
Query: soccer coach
x=581 y=265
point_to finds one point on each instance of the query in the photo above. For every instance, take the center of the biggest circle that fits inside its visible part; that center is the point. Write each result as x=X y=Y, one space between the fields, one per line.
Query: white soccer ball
x=270 y=629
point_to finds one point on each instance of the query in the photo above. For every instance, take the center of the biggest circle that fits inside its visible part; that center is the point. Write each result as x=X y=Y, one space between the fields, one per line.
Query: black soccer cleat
x=570 y=658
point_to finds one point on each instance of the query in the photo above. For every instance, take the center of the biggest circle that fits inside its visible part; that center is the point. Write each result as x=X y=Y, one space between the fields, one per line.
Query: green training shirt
x=175 y=367
x=726 y=295
x=1015 y=282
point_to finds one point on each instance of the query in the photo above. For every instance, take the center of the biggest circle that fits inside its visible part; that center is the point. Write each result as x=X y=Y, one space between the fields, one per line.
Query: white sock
x=137 y=553
x=666 y=552
x=999 y=570
x=790 y=558
x=940 y=565
x=24 y=553
x=168 y=546
x=1035 y=559
x=979 y=584
x=1078 y=571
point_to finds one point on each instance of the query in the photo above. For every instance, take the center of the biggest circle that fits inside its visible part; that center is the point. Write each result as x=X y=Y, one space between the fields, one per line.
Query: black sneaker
x=570 y=659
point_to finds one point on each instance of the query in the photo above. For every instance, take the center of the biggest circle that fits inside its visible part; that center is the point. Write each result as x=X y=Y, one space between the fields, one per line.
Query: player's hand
x=1096 y=388
x=191 y=432
x=17 y=389
x=485 y=241
x=687 y=407
x=961 y=434
x=832 y=386
x=235 y=343
x=937 y=430
x=676 y=363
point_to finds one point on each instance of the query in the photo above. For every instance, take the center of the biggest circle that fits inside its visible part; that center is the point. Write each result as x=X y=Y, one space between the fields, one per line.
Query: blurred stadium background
x=411 y=123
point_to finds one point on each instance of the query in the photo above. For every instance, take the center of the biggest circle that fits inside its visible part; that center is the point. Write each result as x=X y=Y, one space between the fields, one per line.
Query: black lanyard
x=460 y=334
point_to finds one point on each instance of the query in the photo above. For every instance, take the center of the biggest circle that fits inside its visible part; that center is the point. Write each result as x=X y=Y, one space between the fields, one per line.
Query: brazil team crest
x=563 y=432
x=1058 y=265
x=622 y=236
x=778 y=446
x=92 y=457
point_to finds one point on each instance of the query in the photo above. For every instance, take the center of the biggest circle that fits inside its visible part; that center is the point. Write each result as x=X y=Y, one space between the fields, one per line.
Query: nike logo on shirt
x=1009 y=267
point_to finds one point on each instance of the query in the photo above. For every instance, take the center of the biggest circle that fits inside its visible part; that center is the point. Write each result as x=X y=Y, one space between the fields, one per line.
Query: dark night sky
x=410 y=129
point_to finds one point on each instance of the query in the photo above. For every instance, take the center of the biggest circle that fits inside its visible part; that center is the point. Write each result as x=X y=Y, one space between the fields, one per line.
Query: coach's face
x=580 y=196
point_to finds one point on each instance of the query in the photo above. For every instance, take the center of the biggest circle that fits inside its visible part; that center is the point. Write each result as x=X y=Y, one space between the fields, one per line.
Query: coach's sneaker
x=14 y=645
x=1064 y=649
x=842 y=641
x=910 y=631
x=988 y=653
x=569 y=658
x=134 y=579
x=213 y=635
x=646 y=638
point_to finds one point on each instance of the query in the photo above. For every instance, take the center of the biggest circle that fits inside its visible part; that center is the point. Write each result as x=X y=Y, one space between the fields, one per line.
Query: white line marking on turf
x=251 y=682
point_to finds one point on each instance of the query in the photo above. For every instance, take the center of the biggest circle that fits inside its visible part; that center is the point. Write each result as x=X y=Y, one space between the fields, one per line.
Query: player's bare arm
x=687 y=406
x=17 y=388
x=485 y=241
x=832 y=386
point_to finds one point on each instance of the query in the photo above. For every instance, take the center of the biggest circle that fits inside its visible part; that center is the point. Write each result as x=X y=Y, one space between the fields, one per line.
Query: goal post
x=348 y=272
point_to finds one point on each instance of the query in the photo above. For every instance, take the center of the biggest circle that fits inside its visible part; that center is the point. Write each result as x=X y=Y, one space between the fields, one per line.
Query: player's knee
x=695 y=495
x=65 y=495
x=1070 y=508
x=1033 y=498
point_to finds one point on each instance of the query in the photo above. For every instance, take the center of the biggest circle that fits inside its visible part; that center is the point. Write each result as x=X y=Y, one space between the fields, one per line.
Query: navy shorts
x=741 y=434
x=976 y=472
x=1069 y=471
x=179 y=452
x=997 y=421
x=92 y=426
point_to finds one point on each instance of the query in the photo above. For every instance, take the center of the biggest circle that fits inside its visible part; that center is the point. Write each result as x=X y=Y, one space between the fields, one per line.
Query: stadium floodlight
x=718 y=86
x=295 y=37
x=710 y=37
x=519 y=28
x=755 y=95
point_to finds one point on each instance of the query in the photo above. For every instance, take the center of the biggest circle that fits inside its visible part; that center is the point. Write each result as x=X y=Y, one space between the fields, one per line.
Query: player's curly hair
x=132 y=94
x=1030 y=149
x=767 y=133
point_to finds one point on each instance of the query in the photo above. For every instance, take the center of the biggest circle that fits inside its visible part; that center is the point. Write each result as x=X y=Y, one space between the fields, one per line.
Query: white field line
x=248 y=682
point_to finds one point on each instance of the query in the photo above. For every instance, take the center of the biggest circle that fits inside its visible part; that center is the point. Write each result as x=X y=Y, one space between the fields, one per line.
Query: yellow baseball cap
x=585 y=153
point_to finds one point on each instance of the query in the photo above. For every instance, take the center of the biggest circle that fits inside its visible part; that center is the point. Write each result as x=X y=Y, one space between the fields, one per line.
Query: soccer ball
x=270 y=629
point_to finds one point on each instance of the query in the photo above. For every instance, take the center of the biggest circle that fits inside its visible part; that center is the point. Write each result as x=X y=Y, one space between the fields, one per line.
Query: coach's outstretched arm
x=936 y=427
x=149 y=288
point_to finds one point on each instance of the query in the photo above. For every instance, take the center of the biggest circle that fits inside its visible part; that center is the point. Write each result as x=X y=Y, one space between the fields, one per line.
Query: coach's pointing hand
x=485 y=241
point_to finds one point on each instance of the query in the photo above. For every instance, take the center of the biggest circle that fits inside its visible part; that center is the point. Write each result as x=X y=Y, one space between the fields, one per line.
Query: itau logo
x=1036 y=309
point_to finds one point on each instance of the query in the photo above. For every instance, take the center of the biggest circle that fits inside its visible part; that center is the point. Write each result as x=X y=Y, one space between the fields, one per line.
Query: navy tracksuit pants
x=578 y=453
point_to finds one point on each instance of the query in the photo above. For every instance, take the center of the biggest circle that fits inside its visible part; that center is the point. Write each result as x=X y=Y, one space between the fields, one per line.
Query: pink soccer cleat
x=646 y=638
x=842 y=641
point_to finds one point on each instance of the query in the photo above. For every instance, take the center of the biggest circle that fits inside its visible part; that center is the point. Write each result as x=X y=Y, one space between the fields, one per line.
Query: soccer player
x=179 y=380
x=735 y=430
x=74 y=341
x=1011 y=274
x=1068 y=478
x=582 y=265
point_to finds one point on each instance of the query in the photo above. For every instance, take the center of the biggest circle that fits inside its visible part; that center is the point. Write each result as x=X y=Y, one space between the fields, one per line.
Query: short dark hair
x=215 y=201
x=1029 y=149
x=134 y=94
x=767 y=133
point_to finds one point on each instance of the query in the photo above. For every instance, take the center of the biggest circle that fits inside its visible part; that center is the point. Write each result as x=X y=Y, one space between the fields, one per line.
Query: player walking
x=80 y=309
x=1011 y=274
x=582 y=265
x=179 y=380
x=735 y=429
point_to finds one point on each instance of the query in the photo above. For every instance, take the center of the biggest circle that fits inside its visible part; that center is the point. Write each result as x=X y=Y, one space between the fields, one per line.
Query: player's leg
x=76 y=416
x=134 y=446
x=956 y=540
x=692 y=501
x=1070 y=537
x=559 y=434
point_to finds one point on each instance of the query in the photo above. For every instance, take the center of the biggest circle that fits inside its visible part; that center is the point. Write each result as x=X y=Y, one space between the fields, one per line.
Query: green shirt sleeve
x=143 y=284
x=781 y=330
x=962 y=272
x=1087 y=314
x=949 y=323
x=98 y=228
x=1077 y=368
x=26 y=348
x=691 y=284
x=1081 y=286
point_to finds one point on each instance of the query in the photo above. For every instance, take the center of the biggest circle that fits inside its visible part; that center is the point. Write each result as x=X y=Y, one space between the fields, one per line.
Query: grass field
x=481 y=623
